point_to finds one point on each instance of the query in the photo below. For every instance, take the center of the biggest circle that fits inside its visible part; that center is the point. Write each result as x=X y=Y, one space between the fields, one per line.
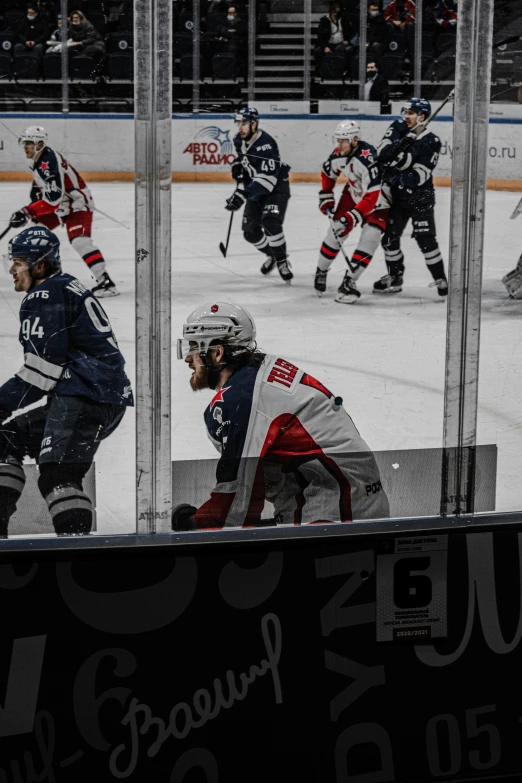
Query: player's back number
x=100 y=319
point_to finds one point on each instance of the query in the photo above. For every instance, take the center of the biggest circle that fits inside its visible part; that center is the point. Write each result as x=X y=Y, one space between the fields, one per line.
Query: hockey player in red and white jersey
x=362 y=203
x=281 y=434
x=59 y=196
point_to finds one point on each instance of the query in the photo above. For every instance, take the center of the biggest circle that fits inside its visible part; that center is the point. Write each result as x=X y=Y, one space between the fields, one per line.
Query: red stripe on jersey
x=287 y=439
x=309 y=380
x=327 y=183
x=92 y=258
x=327 y=251
x=362 y=258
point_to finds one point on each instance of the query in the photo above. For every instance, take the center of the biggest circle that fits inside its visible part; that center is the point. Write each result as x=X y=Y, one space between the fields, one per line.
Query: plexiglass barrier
x=353 y=361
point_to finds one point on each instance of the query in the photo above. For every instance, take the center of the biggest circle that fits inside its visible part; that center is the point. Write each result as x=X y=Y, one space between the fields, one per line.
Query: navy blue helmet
x=248 y=114
x=419 y=105
x=36 y=244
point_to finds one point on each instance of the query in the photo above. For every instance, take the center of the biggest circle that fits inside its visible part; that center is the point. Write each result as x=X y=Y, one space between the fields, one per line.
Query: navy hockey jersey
x=57 y=187
x=69 y=348
x=262 y=163
x=417 y=161
x=283 y=437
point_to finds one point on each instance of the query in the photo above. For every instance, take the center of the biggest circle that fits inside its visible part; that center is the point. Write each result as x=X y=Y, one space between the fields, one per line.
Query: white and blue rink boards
x=384 y=355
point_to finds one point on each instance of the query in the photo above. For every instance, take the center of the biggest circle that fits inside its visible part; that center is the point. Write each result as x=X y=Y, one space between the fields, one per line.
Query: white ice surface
x=384 y=355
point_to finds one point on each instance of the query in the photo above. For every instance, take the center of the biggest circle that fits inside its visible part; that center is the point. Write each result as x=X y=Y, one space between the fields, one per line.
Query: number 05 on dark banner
x=412 y=590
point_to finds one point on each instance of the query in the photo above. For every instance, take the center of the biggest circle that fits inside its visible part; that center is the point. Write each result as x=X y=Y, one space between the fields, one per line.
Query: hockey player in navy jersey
x=70 y=356
x=265 y=192
x=362 y=203
x=59 y=196
x=408 y=155
x=282 y=436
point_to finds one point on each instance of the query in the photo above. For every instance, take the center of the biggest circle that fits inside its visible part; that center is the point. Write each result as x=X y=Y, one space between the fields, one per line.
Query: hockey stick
x=2 y=235
x=114 y=220
x=516 y=212
x=223 y=247
x=511 y=39
x=334 y=232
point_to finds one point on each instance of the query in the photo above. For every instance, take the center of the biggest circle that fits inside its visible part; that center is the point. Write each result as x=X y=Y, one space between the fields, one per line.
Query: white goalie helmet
x=347 y=129
x=221 y=321
x=34 y=133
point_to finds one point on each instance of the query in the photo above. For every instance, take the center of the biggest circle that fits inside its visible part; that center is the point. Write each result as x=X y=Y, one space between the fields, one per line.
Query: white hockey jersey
x=57 y=187
x=364 y=179
x=285 y=438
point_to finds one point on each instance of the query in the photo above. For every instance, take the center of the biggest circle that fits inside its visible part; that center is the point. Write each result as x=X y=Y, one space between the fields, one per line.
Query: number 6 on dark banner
x=412 y=590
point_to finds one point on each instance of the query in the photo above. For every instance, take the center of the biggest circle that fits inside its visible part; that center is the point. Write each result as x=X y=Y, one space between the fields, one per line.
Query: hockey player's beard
x=199 y=378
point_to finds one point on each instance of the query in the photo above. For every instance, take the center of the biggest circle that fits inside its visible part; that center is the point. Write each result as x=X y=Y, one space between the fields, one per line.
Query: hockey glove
x=238 y=172
x=183 y=517
x=326 y=201
x=20 y=218
x=236 y=201
x=346 y=223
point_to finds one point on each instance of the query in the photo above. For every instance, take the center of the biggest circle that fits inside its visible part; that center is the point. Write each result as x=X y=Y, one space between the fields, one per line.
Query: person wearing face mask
x=31 y=34
x=86 y=40
x=376 y=87
x=375 y=31
x=232 y=33
x=335 y=33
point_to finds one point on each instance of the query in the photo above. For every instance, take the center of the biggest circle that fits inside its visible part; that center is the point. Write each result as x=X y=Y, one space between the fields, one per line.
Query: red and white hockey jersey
x=285 y=438
x=362 y=173
x=57 y=187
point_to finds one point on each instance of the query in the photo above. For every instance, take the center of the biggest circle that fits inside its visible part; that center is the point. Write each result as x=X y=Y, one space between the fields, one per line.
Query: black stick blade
x=223 y=249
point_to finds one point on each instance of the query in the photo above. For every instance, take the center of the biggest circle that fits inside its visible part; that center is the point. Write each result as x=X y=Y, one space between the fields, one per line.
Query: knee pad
x=391 y=243
x=271 y=220
x=427 y=243
x=70 y=508
x=252 y=232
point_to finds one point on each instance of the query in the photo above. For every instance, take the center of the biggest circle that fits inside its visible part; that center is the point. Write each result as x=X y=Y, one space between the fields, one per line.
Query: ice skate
x=283 y=267
x=105 y=288
x=442 y=286
x=347 y=292
x=320 y=281
x=389 y=284
x=268 y=266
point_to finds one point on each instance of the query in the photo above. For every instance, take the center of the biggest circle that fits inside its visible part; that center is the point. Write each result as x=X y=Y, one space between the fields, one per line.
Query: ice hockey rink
x=384 y=356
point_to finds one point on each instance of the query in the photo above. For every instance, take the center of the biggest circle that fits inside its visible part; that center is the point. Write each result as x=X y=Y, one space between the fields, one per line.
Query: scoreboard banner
x=266 y=660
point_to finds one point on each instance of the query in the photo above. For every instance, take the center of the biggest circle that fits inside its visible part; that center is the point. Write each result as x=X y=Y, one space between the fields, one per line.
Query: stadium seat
x=427 y=66
x=391 y=66
x=121 y=65
x=5 y=64
x=224 y=66
x=182 y=43
x=428 y=40
x=52 y=66
x=506 y=66
x=446 y=42
x=120 y=42
x=7 y=42
x=26 y=66
x=333 y=66
x=82 y=67
x=444 y=68
x=185 y=21
x=126 y=20
x=395 y=42
x=12 y=17
x=185 y=67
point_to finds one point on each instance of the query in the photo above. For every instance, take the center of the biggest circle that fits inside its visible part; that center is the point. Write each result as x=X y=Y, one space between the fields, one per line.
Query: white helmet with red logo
x=34 y=133
x=347 y=129
x=221 y=322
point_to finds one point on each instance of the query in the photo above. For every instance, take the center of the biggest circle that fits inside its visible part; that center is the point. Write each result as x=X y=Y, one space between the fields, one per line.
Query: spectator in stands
x=86 y=39
x=55 y=41
x=376 y=87
x=400 y=13
x=375 y=31
x=31 y=34
x=335 y=33
x=232 y=34
x=446 y=13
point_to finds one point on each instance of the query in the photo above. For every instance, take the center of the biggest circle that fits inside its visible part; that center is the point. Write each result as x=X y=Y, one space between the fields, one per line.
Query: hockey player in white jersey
x=59 y=196
x=362 y=203
x=281 y=434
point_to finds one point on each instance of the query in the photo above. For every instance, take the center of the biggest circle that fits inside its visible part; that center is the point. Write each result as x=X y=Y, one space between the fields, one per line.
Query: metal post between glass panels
x=251 y=52
x=196 y=54
x=153 y=183
x=417 y=54
x=307 y=51
x=470 y=135
x=363 y=20
x=65 y=57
